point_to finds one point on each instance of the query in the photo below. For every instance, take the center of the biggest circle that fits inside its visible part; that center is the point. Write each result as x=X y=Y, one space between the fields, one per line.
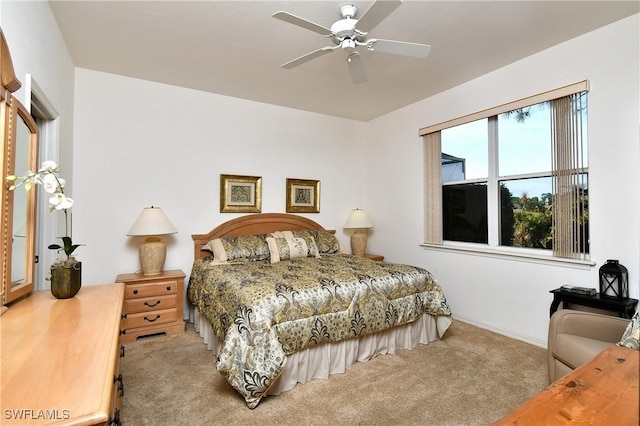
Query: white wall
x=509 y=296
x=37 y=48
x=139 y=143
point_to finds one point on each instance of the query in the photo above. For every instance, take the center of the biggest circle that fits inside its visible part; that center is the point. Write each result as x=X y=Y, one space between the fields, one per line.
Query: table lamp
x=359 y=222
x=151 y=223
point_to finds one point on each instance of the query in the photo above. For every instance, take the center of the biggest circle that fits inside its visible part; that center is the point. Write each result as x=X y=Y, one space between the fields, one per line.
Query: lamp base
x=359 y=242
x=152 y=255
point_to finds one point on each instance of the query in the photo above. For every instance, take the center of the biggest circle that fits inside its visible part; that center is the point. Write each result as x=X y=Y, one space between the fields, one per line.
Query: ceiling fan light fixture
x=348 y=44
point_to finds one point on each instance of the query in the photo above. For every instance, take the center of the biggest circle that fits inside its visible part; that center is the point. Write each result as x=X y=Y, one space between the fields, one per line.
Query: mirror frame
x=10 y=111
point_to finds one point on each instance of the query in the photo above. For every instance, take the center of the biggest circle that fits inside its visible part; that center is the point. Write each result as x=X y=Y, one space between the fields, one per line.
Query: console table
x=601 y=392
x=625 y=308
x=61 y=358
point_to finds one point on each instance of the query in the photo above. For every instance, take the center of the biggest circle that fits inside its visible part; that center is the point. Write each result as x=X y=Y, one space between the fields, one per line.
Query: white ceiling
x=235 y=48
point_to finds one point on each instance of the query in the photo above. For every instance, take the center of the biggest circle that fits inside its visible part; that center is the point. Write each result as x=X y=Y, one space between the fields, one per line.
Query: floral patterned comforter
x=262 y=312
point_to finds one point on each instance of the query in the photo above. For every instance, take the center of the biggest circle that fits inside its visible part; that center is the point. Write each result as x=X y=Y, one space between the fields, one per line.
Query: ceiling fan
x=350 y=33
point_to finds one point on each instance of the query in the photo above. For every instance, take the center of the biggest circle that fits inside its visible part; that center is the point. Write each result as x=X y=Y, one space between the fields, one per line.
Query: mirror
x=25 y=146
x=19 y=136
x=19 y=234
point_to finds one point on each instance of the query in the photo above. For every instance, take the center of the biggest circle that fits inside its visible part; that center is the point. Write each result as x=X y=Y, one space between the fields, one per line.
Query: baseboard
x=527 y=339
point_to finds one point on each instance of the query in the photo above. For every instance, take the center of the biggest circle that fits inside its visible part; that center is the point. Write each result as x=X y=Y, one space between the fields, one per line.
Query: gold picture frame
x=303 y=196
x=240 y=194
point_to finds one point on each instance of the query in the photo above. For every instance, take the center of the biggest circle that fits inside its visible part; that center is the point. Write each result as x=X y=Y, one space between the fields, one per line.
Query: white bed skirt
x=331 y=358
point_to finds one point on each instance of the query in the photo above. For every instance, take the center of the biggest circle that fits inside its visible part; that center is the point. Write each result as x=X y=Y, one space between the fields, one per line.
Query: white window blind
x=568 y=176
x=433 y=189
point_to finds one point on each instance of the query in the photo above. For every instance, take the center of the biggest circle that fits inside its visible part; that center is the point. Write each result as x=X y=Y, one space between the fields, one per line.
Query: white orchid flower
x=59 y=201
x=47 y=176
x=52 y=184
x=48 y=166
x=66 y=204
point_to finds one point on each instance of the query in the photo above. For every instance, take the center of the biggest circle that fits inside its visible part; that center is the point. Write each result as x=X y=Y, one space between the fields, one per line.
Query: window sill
x=519 y=255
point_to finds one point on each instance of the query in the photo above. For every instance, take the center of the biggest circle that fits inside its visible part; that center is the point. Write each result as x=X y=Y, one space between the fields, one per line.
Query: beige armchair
x=575 y=337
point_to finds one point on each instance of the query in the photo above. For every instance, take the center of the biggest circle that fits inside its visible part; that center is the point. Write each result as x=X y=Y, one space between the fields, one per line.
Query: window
x=512 y=176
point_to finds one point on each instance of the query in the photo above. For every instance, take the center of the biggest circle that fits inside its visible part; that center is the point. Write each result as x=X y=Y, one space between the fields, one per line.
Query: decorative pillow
x=216 y=247
x=308 y=238
x=327 y=243
x=287 y=248
x=631 y=336
x=243 y=248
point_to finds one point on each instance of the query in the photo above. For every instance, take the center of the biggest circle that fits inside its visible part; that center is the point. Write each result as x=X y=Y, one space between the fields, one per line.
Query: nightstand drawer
x=157 y=303
x=150 y=289
x=145 y=319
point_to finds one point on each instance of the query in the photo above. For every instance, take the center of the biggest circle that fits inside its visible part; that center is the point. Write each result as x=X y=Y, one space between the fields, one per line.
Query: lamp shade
x=358 y=219
x=152 y=221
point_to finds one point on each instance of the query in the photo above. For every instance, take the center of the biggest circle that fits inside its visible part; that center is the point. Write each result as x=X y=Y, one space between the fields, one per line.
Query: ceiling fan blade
x=406 y=48
x=309 y=56
x=375 y=14
x=356 y=69
x=296 y=20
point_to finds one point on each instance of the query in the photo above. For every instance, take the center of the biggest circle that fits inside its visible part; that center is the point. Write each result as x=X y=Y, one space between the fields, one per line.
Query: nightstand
x=376 y=257
x=153 y=304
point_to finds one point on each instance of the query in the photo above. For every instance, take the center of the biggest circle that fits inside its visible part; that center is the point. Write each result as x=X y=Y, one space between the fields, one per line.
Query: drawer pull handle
x=152 y=320
x=135 y=291
x=124 y=331
x=118 y=378
x=168 y=288
x=151 y=306
x=124 y=316
x=121 y=351
x=116 y=418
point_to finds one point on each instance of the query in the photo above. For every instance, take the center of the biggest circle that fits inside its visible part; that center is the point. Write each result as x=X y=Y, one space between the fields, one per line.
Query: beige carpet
x=471 y=377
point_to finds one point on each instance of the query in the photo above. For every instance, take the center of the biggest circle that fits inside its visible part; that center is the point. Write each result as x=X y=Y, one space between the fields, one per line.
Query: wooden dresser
x=605 y=391
x=152 y=304
x=61 y=358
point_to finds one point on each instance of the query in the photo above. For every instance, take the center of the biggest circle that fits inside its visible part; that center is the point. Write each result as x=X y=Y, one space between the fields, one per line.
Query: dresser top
x=58 y=356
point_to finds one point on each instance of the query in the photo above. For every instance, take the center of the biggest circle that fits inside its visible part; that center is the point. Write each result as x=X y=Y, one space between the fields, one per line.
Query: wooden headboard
x=260 y=223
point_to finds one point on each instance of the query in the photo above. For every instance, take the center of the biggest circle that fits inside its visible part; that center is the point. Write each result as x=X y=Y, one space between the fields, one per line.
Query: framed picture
x=303 y=196
x=240 y=194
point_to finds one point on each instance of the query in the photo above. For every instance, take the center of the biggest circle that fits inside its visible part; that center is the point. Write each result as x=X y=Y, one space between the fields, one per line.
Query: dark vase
x=66 y=279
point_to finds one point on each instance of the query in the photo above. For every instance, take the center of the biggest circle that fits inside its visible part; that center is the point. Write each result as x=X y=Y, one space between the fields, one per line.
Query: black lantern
x=614 y=280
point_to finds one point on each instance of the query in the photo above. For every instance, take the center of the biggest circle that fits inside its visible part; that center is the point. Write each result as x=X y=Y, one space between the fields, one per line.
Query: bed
x=279 y=302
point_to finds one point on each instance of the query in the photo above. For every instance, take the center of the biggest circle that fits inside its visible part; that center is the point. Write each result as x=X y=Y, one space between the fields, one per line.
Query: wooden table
x=625 y=307
x=605 y=391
